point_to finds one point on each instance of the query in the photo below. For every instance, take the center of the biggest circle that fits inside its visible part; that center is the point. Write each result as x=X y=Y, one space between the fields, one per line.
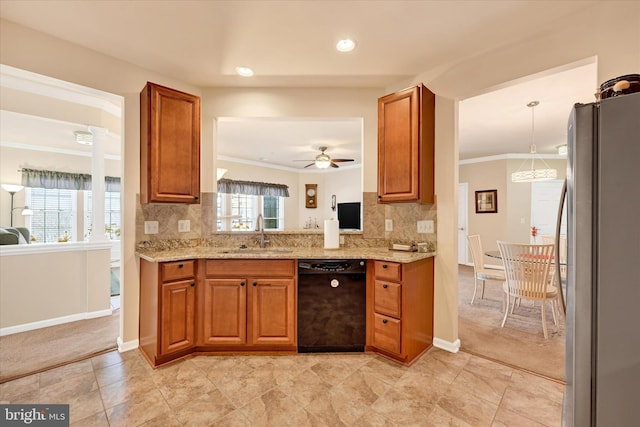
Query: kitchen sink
x=258 y=251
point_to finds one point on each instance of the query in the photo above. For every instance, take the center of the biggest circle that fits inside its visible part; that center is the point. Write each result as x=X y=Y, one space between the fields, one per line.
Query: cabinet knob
x=255 y=283
x=180 y=265
x=384 y=265
x=385 y=286
x=384 y=321
x=195 y=197
x=241 y=283
x=379 y=197
x=193 y=284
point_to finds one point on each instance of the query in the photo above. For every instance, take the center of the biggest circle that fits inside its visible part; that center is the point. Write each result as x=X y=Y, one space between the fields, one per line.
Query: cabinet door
x=177 y=321
x=386 y=333
x=272 y=311
x=170 y=152
x=225 y=311
x=405 y=146
x=387 y=298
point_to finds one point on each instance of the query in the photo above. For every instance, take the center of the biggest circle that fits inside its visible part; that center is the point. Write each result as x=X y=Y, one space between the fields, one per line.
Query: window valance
x=64 y=180
x=229 y=186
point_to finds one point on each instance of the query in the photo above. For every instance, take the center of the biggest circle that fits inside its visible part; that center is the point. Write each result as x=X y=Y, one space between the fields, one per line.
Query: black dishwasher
x=331 y=305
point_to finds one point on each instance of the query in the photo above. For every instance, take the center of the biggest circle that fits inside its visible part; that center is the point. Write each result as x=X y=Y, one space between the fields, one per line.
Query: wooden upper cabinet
x=406 y=122
x=169 y=146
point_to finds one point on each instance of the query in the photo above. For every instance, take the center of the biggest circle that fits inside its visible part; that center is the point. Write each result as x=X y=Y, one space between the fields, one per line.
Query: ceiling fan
x=323 y=161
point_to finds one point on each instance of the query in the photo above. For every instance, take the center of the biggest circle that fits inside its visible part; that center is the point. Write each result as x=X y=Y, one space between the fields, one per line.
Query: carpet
x=520 y=343
x=35 y=351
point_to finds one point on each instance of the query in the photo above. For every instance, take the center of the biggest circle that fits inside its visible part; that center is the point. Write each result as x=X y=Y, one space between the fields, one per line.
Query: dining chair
x=562 y=244
x=527 y=270
x=480 y=271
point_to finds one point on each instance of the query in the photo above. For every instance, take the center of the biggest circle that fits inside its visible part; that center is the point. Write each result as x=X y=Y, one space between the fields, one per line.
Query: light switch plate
x=425 y=227
x=151 y=227
x=184 y=226
x=388 y=225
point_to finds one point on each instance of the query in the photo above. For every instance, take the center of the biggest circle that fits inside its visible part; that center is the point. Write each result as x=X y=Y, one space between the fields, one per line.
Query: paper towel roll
x=331 y=234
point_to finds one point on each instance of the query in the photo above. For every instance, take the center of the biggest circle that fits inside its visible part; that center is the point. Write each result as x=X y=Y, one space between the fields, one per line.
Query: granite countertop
x=202 y=252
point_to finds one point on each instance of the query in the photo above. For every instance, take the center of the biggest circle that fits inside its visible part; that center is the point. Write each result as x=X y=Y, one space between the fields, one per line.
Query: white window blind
x=54 y=213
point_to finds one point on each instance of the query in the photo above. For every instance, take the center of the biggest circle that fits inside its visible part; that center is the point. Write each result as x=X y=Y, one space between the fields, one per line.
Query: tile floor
x=294 y=390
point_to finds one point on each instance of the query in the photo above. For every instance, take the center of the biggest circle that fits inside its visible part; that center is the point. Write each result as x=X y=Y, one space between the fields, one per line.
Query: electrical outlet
x=151 y=227
x=184 y=226
x=388 y=225
x=425 y=227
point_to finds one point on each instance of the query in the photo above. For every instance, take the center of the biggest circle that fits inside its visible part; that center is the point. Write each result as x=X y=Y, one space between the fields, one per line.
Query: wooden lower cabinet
x=248 y=312
x=224 y=308
x=248 y=305
x=167 y=310
x=178 y=316
x=400 y=308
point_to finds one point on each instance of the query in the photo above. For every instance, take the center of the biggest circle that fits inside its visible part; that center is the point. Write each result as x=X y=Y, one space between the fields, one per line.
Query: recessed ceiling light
x=345 y=45
x=244 y=71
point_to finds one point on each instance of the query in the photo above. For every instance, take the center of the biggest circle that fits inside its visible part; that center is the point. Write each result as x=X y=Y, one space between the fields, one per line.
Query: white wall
x=344 y=183
x=70 y=283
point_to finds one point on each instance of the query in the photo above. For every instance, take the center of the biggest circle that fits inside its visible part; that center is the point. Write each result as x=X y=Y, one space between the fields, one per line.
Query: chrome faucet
x=260 y=228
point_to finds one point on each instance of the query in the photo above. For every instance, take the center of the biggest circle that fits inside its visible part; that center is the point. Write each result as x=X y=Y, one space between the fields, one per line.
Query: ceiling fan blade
x=333 y=165
x=305 y=160
x=342 y=160
x=310 y=164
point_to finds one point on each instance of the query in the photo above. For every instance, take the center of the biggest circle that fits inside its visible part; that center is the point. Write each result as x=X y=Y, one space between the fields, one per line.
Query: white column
x=97 y=185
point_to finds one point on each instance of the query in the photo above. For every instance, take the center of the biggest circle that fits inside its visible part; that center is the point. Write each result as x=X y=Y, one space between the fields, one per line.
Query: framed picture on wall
x=487 y=201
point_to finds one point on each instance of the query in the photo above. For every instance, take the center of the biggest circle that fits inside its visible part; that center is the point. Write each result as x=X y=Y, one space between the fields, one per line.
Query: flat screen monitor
x=349 y=216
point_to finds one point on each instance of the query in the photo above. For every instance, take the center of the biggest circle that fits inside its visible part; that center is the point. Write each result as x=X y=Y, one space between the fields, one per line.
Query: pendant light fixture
x=543 y=172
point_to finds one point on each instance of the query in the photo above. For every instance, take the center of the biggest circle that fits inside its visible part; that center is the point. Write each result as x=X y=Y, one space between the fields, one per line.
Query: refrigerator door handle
x=563 y=195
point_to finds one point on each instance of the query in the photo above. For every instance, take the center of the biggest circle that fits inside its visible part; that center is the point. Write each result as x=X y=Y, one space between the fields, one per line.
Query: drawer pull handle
x=384 y=265
x=384 y=321
x=193 y=284
x=385 y=286
x=241 y=283
x=180 y=265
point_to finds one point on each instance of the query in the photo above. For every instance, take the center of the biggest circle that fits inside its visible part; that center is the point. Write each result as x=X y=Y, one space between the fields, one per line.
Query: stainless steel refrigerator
x=603 y=264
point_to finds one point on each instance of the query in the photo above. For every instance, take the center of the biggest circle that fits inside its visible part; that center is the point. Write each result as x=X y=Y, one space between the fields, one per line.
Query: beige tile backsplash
x=202 y=219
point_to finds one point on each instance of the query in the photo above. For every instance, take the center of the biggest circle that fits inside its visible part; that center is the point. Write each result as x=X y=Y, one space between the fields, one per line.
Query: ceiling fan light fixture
x=323 y=161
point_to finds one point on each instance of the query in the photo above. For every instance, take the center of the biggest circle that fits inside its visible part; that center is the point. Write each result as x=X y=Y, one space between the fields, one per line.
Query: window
x=54 y=213
x=238 y=212
x=111 y=214
x=56 y=218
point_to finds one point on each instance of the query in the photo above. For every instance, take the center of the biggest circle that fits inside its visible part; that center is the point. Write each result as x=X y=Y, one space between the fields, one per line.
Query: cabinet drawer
x=178 y=270
x=387 y=298
x=386 y=333
x=251 y=267
x=385 y=270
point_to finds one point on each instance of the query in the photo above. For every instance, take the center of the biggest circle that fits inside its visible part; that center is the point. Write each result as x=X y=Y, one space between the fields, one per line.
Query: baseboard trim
x=451 y=347
x=127 y=346
x=10 y=330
